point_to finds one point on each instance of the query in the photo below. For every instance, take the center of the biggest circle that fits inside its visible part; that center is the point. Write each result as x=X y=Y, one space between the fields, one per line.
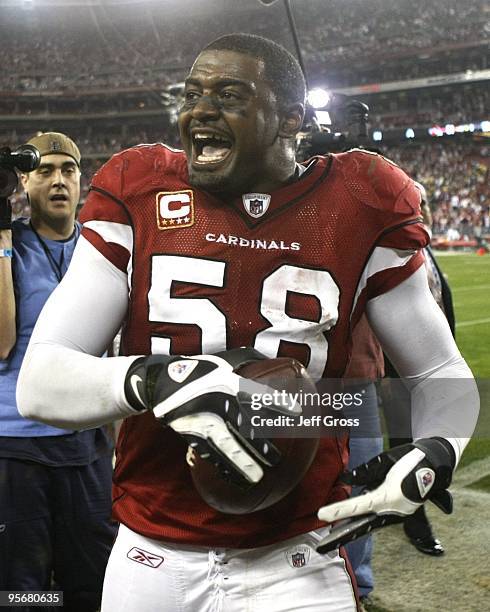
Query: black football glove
x=204 y=400
x=397 y=482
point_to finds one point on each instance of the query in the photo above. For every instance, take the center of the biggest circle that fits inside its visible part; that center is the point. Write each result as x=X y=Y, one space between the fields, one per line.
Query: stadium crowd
x=387 y=34
x=456 y=178
x=122 y=48
x=457 y=104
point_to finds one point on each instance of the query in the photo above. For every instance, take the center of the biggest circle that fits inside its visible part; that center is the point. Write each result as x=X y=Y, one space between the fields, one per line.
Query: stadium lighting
x=450 y=129
x=323 y=117
x=409 y=133
x=318 y=98
x=436 y=131
x=377 y=135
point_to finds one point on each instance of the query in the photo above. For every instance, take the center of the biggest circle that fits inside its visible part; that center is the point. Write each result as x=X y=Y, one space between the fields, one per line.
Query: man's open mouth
x=58 y=197
x=209 y=147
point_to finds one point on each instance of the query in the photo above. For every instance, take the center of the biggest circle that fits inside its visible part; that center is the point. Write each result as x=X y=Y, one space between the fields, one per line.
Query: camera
x=348 y=128
x=25 y=159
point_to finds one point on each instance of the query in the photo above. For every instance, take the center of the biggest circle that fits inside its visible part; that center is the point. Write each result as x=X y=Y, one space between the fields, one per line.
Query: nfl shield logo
x=256 y=204
x=298 y=556
x=180 y=370
x=425 y=479
x=298 y=560
x=256 y=207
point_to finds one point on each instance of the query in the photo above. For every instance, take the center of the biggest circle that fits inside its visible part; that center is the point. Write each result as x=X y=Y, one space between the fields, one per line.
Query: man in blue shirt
x=54 y=484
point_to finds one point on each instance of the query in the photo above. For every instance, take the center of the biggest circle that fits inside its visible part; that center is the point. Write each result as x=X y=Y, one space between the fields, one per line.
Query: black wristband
x=142 y=377
x=134 y=385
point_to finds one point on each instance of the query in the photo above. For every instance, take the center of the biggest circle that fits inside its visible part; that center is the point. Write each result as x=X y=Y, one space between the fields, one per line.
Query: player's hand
x=397 y=482
x=204 y=400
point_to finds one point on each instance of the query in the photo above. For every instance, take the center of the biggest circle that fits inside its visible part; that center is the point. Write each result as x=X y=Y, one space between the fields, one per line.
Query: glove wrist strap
x=441 y=455
x=136 y=386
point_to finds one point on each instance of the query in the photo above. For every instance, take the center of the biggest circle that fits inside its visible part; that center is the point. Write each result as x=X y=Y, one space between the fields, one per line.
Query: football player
x=231 y=243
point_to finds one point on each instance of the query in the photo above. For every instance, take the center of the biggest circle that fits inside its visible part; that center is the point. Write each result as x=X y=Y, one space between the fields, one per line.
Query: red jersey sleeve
x=390 y=194
x=394 y=203
x=105 y=218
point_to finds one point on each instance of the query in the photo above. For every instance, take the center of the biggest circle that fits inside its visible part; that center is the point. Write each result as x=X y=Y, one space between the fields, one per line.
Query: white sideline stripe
x=473 y=322
x=118 y=233
x=470 y=288
x=441 y=253
x=382 y=258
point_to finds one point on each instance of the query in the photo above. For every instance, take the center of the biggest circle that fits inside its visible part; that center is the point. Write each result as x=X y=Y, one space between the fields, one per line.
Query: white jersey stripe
x=382 y=258
x=117 y=233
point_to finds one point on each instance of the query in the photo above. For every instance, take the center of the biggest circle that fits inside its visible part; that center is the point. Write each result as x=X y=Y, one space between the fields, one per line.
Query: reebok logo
x=144 y=557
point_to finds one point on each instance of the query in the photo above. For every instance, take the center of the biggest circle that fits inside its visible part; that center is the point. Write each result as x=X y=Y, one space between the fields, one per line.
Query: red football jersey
x=288 y=273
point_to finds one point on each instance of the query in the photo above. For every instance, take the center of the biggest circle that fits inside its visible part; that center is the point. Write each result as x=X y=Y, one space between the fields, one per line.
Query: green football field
x=469 y=278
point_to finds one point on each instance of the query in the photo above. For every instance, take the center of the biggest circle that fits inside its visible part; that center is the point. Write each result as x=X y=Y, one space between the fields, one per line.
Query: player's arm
x=445 y=403
x=416 y=336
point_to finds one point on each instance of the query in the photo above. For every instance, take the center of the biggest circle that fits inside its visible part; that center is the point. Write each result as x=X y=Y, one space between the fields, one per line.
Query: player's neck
x=281 y=175
x=282 y=166
x=53 y=229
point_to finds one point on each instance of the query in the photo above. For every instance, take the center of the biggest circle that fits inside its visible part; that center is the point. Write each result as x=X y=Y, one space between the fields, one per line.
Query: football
x=297 y=454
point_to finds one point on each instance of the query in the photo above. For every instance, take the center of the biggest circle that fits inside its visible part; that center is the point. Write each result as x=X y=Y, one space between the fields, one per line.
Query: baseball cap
x=55 y=142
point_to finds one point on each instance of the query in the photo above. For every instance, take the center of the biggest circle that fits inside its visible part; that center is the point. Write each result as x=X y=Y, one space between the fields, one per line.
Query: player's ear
x=291 y=120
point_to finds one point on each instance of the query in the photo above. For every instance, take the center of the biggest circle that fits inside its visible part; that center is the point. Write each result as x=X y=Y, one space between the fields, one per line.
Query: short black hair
x=282 y=69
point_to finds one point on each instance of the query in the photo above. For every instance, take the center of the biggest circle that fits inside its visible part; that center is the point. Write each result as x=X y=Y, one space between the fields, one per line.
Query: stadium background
x=107 y=73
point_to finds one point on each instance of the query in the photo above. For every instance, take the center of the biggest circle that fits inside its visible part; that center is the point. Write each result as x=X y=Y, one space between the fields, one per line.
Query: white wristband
x=6 y=252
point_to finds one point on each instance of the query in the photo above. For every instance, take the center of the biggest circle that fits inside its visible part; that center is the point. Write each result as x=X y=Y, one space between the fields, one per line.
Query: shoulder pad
x=379 y=182
x=126 y=171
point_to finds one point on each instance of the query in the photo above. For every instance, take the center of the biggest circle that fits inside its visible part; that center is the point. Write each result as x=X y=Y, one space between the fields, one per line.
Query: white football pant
x=145 y=575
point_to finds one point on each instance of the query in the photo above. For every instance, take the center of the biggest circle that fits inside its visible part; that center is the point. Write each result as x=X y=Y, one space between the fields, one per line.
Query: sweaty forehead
x=215 y=65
